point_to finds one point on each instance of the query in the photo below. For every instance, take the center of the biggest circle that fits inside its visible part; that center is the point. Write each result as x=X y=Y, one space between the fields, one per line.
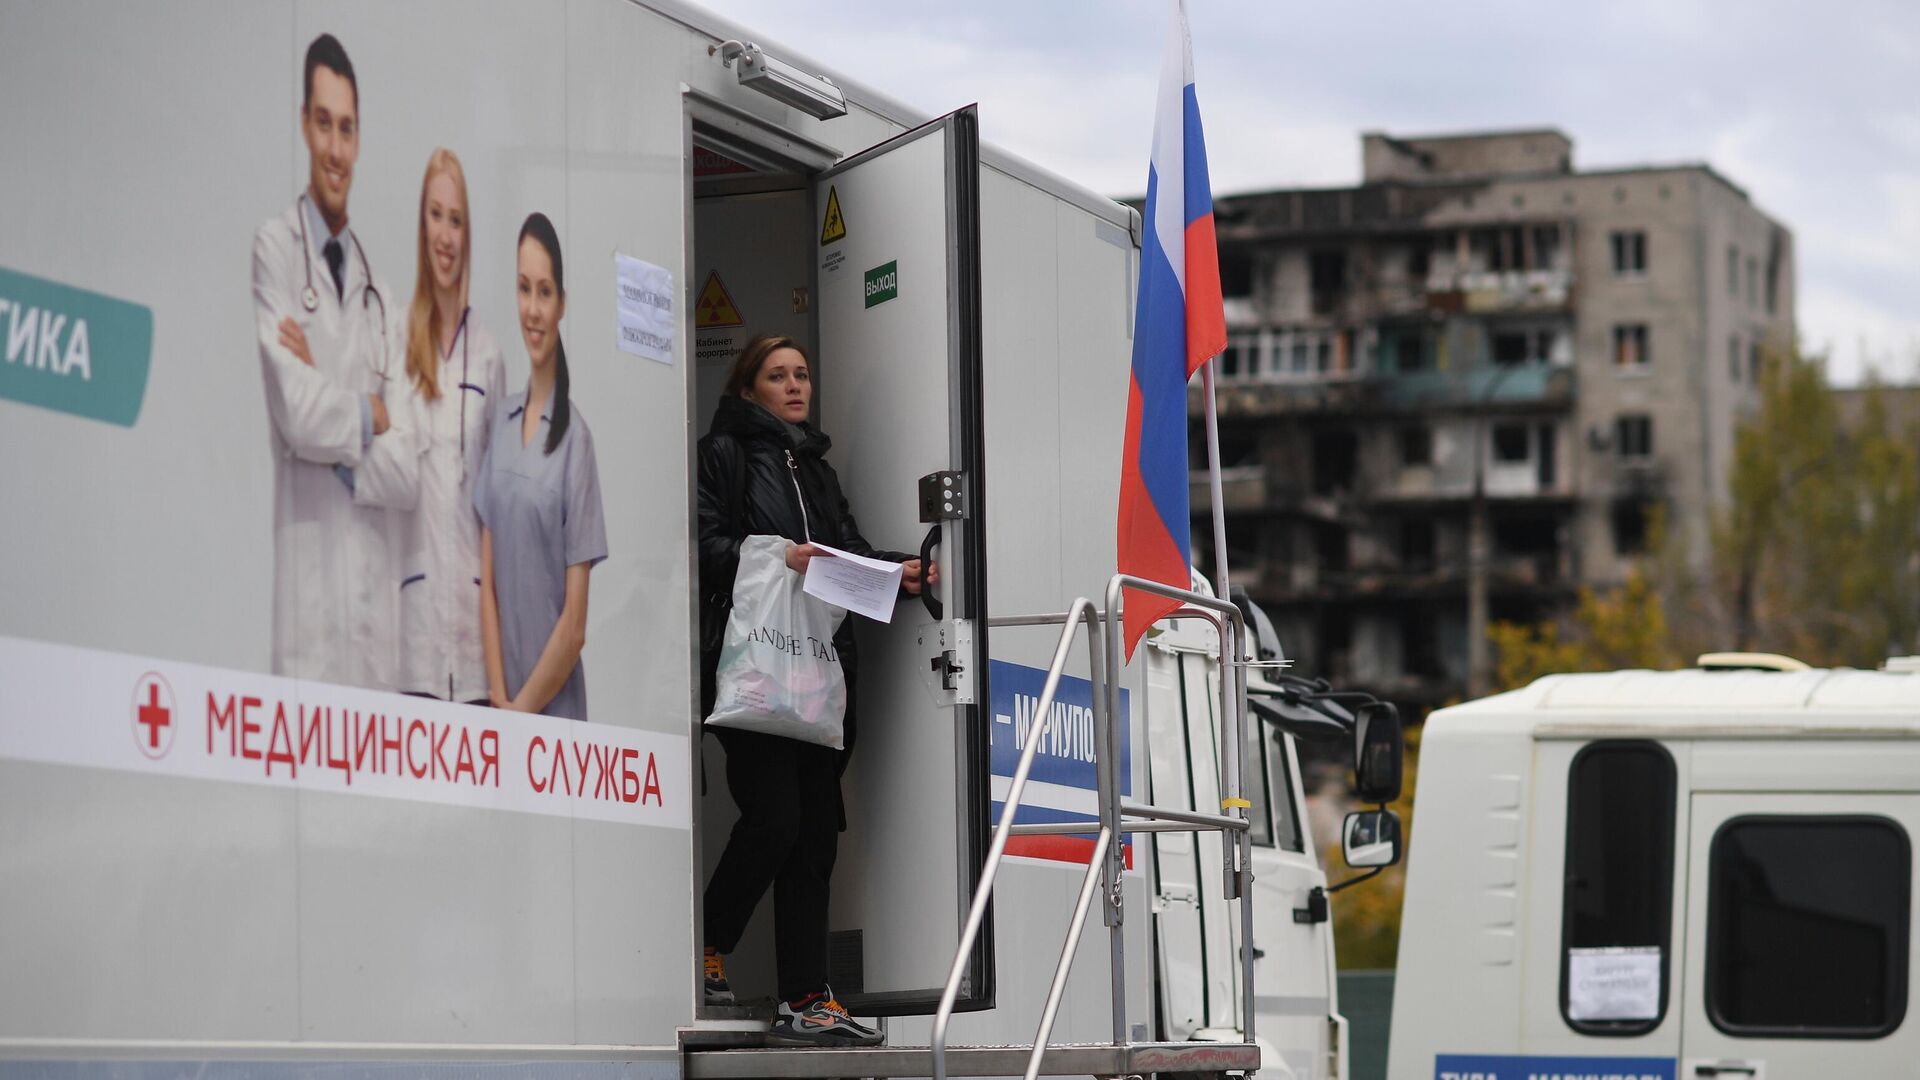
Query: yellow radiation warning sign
x=715 y=308
x=832 y=226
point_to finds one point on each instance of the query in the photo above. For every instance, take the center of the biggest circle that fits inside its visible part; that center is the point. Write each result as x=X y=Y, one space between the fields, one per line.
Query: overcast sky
x=1814 y=108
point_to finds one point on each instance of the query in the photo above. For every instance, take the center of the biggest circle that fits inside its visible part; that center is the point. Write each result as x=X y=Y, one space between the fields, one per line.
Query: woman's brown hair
x=746 y=367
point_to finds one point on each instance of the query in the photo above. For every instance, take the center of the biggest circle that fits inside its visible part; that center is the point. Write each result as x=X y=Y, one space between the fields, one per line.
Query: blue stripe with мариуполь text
x=1531 y=1067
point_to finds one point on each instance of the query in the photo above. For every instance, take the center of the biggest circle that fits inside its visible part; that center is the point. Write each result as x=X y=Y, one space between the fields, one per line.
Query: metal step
x=1104 y=1059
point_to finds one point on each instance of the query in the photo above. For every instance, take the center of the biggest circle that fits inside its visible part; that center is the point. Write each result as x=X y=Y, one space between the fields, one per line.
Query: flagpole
x=1213 y=484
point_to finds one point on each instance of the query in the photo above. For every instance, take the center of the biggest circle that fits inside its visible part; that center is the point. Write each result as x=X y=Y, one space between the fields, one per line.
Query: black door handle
x=1729 y=1069
x=934 y=607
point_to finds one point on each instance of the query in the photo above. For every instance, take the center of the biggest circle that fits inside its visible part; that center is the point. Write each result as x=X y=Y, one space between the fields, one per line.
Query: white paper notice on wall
x=643 y=308
x=1613 y=984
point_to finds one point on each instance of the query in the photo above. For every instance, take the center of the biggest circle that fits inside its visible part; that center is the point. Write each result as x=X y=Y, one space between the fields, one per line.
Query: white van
x=203 y=859
x=1703 y=873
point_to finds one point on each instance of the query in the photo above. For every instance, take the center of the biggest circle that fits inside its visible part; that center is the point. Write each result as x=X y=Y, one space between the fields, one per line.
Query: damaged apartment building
x=1457 y=392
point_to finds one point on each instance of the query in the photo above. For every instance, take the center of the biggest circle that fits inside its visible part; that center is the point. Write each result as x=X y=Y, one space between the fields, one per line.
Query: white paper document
x=1613 y=984
x=643 y=308
x=861 y=585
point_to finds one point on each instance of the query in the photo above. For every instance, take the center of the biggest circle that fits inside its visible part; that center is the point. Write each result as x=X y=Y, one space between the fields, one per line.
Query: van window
x=1807 y=927
x=1617 y=911
x=1270 y=789
x=1286 y=826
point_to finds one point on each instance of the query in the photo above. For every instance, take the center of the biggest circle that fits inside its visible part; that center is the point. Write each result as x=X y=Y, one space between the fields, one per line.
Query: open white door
x=899 y=376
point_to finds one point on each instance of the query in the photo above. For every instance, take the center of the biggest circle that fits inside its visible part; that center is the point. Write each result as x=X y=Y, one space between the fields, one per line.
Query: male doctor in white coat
x=329 y=350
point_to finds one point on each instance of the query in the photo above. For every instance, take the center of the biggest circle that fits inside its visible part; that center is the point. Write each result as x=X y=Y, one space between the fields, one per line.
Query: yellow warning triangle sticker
x=833 y=226
x=714 y=307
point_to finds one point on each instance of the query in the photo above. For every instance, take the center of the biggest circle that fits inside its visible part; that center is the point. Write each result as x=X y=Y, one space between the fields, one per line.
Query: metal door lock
x=948 y=647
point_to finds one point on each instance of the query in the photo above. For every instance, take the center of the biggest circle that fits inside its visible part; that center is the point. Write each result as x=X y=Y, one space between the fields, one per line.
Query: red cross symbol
x=153 y=715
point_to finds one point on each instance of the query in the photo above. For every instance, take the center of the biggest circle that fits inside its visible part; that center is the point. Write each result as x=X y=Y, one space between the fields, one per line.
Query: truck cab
x=1699 y=873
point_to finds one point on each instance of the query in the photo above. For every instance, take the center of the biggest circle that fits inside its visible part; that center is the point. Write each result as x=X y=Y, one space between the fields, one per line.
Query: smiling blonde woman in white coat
x=458 y=377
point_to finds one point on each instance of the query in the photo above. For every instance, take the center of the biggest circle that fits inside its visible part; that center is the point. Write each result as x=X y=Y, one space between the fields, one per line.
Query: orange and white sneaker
x=819 y=1020
x=717 y=991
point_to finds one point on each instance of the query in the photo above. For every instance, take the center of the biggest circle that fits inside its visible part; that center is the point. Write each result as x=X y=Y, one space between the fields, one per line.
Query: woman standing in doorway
x=458 y=378
x=538 y=497
x=763 y=471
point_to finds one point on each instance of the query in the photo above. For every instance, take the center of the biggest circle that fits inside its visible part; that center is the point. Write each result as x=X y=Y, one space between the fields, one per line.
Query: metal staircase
x=711 y=1055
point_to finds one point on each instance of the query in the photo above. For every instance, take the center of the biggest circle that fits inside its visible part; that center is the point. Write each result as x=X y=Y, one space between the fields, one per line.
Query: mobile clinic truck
x=1704 y=873
x=226 y=839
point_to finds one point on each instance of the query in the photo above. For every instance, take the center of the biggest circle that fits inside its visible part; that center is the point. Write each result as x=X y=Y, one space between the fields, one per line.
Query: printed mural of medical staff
x=329 y=352
x=539 y=502
x=458 y=377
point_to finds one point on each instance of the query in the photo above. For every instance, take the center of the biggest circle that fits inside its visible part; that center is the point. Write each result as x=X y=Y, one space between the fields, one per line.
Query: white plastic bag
x=779 y=673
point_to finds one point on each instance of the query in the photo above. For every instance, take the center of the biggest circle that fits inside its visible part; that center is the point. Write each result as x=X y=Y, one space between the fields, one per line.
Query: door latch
x=948 y=648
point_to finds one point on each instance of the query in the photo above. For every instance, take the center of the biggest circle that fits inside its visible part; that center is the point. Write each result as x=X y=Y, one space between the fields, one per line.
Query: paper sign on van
x=1613 y=983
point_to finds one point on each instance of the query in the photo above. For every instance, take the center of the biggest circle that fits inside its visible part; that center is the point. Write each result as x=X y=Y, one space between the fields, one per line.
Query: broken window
x=1500 y=249
x=1630 y=346
x=1417 y=544
x=1512 y=348
x=1629 y=253
x=1241 y=359
x=1733 y=357
x=1546 y=247
x=1773 y=273
x=1327 y=278
x=1330 y=547
x=1511 y=444
x=1630 y=527
x=1416 y=445
x=1733 y=271
x=1410 y=351
x=1335 y=455
x=1633 y=436
x=1419 y=645
x=1753 y=282
x=1236 y=274
x=1419 y=259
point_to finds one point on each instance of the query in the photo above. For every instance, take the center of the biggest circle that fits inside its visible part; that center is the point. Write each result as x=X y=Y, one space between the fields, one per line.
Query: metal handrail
x=1107 y=861
x=1127 y=825
x=1096 y=866
x=1238 y=856
x=1081 y=610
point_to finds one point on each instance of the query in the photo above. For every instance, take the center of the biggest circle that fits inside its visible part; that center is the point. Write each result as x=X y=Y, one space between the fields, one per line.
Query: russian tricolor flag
x=1178 y=326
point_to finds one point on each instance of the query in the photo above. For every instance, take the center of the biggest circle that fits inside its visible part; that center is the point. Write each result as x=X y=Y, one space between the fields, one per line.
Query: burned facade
x=1456 y=392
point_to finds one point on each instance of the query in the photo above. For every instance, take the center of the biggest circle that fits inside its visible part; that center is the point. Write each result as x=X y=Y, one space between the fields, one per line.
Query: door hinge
x=1316 y=909
x=943 y=496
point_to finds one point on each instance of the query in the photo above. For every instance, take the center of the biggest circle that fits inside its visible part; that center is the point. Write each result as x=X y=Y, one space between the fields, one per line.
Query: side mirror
x=1378 y=749
x=1370 y=838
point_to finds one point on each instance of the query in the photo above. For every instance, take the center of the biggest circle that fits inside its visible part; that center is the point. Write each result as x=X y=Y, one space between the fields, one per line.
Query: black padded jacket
x=750 y=446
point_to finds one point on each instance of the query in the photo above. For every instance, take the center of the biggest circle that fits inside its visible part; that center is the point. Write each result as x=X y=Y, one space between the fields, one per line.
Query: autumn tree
x=1815 y=550
x=1611 y=629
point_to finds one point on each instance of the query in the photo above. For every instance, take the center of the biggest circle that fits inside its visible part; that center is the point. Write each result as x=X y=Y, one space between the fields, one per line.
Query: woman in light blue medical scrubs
x=538 y=496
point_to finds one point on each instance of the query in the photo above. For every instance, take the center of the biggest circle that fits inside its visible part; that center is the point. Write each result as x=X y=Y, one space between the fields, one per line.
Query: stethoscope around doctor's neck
x=310 y=299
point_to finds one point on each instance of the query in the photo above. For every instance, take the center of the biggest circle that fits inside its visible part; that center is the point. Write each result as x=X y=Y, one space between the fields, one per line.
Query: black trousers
x=787 y=837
